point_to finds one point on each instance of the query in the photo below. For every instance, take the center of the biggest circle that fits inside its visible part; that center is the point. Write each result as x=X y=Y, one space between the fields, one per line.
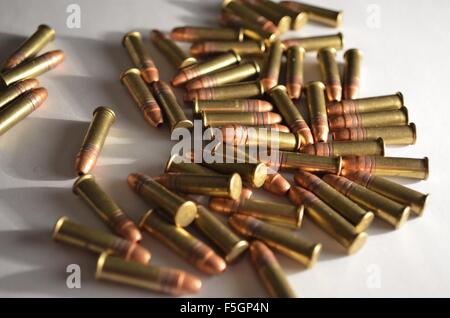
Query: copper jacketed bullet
x=352 y=73
x=226 y=186
x=180 y=211
x=208 y=66
x=387 y=166
x=329 y=71
x=142 y=96
x=232 y=106
x=159 y=279
x=271 y=70
x=227 y=206
x=315 y=43
x=194 y=34
x=317 y=14
x=254 y=173
x=388 y=118
x=329 y=220
x=389 y=211
x=244 y=119
x=168 y=102
x=295 y=56
x=228 y=91
x=276 y=183
x=230 y=75
x=98 y=241
x=270 y=271
x=282 y=240
x=392 y=190
x=170 y=50
x=353 y=213
x=17 y=110
x=293 y=161
x=183 y=243
x=291 y=114
x=278 y=17
x=87 y=188
x=245 y=48
x=32 y=68
x=140 y=56
x=31 y=47
x=317 y=111
x=346 y=148
x=12 y=92
x=396 y=135
x=366 y=105
x=94 y=140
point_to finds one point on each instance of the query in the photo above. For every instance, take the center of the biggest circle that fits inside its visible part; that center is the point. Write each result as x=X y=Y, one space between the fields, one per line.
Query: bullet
x=392 y=190
x=194 y=34
x=394 y=135
x=317 y=111
x=232 y=106
x=245 y=48
x=387 y=166
x=366 y=105
x=18 y=109
x=97 y=241
x=280 y=239
x=298 y=18
x=31 y=68
x=387 y=210
x=31 y=47
x=231 y=245
x=316 y=14
x=346 y=148
x=227 y=206
x=142 y=96
x=12 y=92
x=225 y=186
x=93 y=142
x=290 y=113
x=168 y=102
x=315 y=43
x=293 y=161
x=370 y=120
x=295 y=57
x=352 y=73
x=270 y=271
x=211 y=65
x=183 y=243
x=176 y=164
x=279 y=18
x=87 y=188
x=329 y=71
x=230 y=75
x=159 y=279
x=353 y=213
x=181 y=212
x=254 y=173
x=271 y=70
x=276 y=183
x=171 y=51
x=229 y=91
x=329 y=220
x=244 y=119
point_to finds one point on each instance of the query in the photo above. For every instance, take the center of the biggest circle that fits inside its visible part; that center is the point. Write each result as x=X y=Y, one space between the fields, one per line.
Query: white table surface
x=407 y=51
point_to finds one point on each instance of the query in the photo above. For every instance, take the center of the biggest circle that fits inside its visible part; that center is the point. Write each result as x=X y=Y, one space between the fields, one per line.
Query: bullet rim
x=188 y=62
x=80 y=180
x=256 y=66
x=133 y=70
x=169 y=162
x=57 y=227
x=414 y=131
x=259 y=175
x=357 y=51
x=235 y=186
x=357 y=243
x=237 y=55
x=365 y=222
x=196 y=107
x=427 y=166
x=300 y=212
x=402 y=99
x=276 y=88
x=406 y=212
x=106 y=109
x=382 y=144
x=185 y=123
x=143 y=219
x=236 y=251
x=185 y=214
x=129 y=34
x=262 y=45
x=100 y=264
x=404 y=109
x=341 y=35
x=314 y=255
x=241 y=34
x=419 y=208
x=339 y=18
x=340 y=165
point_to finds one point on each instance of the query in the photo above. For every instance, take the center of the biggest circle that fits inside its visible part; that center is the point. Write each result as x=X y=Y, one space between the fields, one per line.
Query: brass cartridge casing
x=12 y=92
x=366 y=105
x=394 y=135
x=352 y=73
x=232 y=106
x=229 y=91
x=311 y=163
x=245 y=48
x=240 y=118
x=346 y=148
x=389 y=118
x=194 y=34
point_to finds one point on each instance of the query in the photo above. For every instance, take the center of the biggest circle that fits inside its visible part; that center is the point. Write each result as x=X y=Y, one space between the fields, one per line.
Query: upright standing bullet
x=172 y=109
x=88 y=189
x=280 y=239
x=366 y=105
x=228 y=91
x=12 y=92
x=294 y=71
x=280 y=19
x=244 y=119
x=170 y=50
x=354 y=214
x=352 y=73
x=140 y=56
x=31 y=68
x=369 y=120
x=330 y=73
x=244 y=48
x=271 y=70
x=394 y=135
x=254 y=173
x=142 y=96
x=194 y=34
x=211 y=65
x=384 y=208
x=20 y=108
x=232 y=106
x=183 y=243
x=315 y=43
x=270 y=271
x=159 y=279
x=392 y=190
x=290 y=114
x=346 y=148
x=31 y=47
x=317 y=111
x=293 y=161
x=98 y=241
x=94 y=139
x=317 y=14
x=329 y=220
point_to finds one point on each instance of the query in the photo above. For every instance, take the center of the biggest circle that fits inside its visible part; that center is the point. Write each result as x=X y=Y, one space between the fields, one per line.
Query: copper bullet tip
x=277 y=184
x=189 y=285
x=38 y=96
x=321 y=133
x=334 y=92
x=27 y=85
x=342 y=134
x=132 y=180
x=351 y=91
x=268 y=83
x=260 y=254
x=263 y=106
x=150 y=74
x=156 y=35
x=130 y=232
x=181 y=34
x=214 y=264
x=179 y=79
x=271 y=118
x=139 y=254
x=55 y=57
x=294 y=91
x=198 y=83
x=197 y=49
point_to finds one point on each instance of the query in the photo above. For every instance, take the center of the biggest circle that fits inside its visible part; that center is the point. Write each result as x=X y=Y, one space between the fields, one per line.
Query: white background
x=408 y=51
